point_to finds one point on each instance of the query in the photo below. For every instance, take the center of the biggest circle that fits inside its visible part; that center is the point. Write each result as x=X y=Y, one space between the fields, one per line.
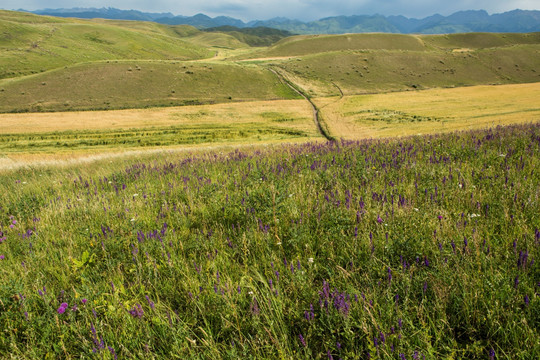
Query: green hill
x=309 y=44
x=33 y=44
x=52 y=64
x=366 y=63
x=130 y=84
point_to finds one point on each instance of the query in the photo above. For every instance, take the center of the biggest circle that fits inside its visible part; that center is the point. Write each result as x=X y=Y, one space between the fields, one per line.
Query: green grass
x=68 y=58
x=422 y=246
x=95 y=140
x=35 y=44
x=479 y=40
x=309 y=44
x=130 y=84
x=357 y=72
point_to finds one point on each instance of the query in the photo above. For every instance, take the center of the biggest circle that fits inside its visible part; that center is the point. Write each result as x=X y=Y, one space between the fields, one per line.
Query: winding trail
x=316 y=116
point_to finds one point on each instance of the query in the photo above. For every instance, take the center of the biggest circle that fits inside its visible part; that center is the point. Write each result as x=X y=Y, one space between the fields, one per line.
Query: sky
x=304 y=10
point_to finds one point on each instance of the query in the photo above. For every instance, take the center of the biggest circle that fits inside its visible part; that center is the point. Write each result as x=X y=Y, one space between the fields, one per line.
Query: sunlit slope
x=311 y=44
x=355 y=72
x=479 y=40
x=130 y=84
x=365 y=63
x=218 y=40
x=32 y=44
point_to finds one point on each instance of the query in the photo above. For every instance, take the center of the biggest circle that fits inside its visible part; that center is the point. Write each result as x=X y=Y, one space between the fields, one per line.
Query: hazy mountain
x=105 y=13
x=202 y=21
x=462 y=21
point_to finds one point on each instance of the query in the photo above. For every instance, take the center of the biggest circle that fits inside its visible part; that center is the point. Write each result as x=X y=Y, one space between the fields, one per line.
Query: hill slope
x=36 y=43
x=366 y=63
x=129 y=84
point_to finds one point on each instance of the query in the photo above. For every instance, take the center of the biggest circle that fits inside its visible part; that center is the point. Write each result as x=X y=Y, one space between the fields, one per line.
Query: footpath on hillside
x=321 y=127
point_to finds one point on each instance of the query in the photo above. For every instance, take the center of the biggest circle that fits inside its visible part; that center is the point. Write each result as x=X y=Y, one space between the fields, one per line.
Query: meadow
x=428 y=111
x=410 y=248
x=171 y=193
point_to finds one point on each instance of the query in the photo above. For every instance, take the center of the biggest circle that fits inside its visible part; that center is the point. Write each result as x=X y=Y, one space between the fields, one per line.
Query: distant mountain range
x=459 y=22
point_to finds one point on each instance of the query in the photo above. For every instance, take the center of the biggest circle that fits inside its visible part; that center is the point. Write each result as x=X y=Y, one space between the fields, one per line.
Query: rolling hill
x=53 y=64
x=35 y=44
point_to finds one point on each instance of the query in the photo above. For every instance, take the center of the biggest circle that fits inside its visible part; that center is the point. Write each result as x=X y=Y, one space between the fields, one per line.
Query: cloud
x=300 y=9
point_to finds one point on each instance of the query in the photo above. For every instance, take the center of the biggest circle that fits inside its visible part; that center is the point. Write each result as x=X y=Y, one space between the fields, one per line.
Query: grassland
x=34 y=44
x=193 y=231
x=421 y=246
x=53 y=135
x=427 y=111
x=55 y=64
x=129 y=84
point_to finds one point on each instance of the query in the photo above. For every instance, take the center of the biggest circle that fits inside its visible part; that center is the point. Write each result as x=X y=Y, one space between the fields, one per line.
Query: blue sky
x=295 y=9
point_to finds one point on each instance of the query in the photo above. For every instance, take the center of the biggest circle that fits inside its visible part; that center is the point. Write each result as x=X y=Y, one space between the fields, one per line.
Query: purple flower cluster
x=136 y=311
x=62 y=308
x=340 y=301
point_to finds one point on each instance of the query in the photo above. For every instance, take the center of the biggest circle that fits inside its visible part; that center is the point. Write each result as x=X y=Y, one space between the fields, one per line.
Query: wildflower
x=136 y=311
x=302 y=341
x=526 y=299
x=379 y=220
x=62 y=308
x=150 y=302
x=2 y=257
x=84 y=301
x=310 y=260
x=439 y=217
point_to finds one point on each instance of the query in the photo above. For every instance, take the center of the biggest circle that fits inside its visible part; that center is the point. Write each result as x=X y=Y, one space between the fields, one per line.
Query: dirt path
x=316 y=116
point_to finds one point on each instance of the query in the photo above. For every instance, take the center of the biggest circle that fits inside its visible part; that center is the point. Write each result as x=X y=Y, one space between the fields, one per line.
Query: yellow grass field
x=430 y=111
x=349 y=117
x=295 y=114
x=276 y=118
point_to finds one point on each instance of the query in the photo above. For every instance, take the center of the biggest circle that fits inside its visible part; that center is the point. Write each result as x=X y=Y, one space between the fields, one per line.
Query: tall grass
x=391 y=249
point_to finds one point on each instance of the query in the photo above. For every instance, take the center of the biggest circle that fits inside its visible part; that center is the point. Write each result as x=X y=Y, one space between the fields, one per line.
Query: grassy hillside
x=35 y=44
x=257 y=36
x=310 y=44
x=77 y=51
x=379 y=71
x=128 y=84
x=480 y=40
x=216 y=40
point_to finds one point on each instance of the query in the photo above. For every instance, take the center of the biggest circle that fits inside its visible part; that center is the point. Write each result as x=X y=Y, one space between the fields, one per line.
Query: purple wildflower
x=302 y=341
x=136 y=311
x=62 y=308
x=150 y=302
